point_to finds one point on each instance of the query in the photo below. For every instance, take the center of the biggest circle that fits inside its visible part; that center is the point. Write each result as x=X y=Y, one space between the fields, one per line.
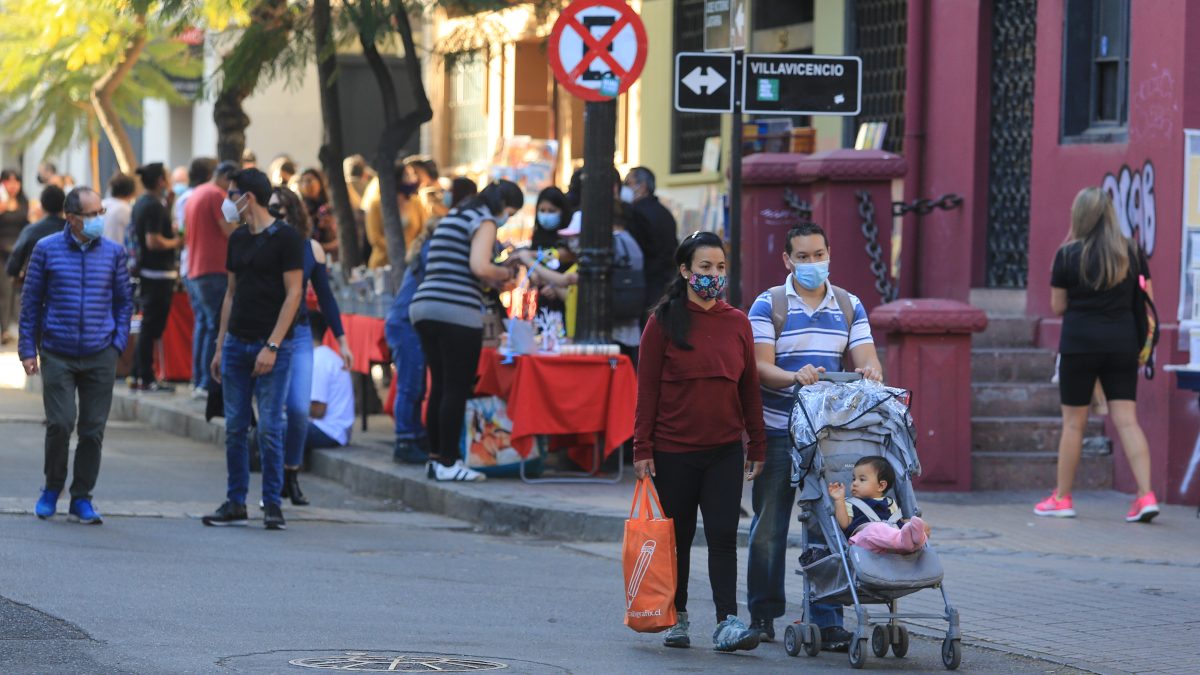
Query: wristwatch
x=273 y=347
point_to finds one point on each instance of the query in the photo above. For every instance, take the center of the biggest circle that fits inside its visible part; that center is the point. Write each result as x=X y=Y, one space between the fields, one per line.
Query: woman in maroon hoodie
x=698 y=394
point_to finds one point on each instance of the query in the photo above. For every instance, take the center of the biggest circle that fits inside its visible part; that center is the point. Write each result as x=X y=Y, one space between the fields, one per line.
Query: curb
x=369 y=471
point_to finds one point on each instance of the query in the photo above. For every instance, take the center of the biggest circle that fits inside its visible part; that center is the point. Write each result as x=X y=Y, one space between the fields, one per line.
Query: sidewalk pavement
x=1091 y=592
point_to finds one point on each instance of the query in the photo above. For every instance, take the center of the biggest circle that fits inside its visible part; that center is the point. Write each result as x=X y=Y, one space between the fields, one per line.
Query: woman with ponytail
x=698 y=394
x=1095 y=275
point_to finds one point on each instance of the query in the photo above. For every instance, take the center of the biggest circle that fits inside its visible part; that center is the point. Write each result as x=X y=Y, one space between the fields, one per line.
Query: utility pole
x=594 y=317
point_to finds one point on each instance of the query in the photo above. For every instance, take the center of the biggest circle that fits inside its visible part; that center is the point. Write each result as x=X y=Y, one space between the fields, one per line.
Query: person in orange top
x=413 y=214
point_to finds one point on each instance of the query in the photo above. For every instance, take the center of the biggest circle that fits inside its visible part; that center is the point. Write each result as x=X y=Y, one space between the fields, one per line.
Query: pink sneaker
x=1143 y=509
x=1055 y=506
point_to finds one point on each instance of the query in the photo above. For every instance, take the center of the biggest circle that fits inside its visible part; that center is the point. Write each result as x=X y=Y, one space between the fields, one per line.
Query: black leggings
x=710 y=480
x=452 y=354
x=156 y=306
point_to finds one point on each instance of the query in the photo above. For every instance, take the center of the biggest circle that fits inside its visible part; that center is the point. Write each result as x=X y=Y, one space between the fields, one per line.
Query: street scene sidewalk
x=1092 y=592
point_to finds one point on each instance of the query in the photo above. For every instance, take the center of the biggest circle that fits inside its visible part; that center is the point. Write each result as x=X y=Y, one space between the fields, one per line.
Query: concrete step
x=1027 y=364
x=1031 y=434
x=1036 y=470
x=999 y=301
x=1007 y=331
x=1015 y=399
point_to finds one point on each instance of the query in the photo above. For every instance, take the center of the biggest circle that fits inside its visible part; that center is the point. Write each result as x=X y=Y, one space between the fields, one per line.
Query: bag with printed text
x=648 y=554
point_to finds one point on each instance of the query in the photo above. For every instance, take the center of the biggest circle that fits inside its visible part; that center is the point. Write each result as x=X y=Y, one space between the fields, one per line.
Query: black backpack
x=628 y=284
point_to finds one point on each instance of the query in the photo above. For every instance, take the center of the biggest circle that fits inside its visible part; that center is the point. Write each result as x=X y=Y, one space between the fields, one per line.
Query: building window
x=1095 y=92
x=466 y=92
x=689 y=131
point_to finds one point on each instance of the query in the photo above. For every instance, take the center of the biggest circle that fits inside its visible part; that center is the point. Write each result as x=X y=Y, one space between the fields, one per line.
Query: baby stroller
x=833 y=424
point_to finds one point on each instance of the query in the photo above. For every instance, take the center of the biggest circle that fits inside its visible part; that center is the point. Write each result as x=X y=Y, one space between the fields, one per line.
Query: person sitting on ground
x=331 y=416
x=869 y=517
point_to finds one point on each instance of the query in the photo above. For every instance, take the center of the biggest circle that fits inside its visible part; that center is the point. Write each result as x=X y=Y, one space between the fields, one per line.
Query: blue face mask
x=448 y=198
x=500 y=218
x=810 y=276
x=179 y=189
x=549 y=221
x=93 y=228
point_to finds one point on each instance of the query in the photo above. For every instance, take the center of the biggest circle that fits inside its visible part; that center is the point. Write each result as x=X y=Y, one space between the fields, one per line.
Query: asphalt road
x=353 y=583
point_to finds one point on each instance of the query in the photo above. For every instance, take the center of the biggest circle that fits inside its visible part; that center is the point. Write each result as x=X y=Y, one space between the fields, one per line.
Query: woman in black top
x=14 y=215
x=1095 y=275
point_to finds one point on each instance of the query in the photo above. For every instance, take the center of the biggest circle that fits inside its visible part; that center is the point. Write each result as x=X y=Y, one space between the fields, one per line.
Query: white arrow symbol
x=698 y=79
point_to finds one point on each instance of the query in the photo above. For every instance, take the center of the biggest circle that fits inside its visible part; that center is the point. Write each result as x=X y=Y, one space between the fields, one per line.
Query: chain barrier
x=924 y=207
x=883 y=284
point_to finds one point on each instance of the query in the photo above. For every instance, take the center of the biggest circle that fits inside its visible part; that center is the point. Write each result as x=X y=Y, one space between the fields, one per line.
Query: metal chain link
x=883 y=284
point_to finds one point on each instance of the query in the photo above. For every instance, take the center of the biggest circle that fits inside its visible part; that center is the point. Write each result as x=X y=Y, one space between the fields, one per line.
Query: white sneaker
x=457 y=472
x=199 y=393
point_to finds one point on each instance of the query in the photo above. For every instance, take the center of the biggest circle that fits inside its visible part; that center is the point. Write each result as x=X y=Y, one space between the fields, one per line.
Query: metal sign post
x=597 y=50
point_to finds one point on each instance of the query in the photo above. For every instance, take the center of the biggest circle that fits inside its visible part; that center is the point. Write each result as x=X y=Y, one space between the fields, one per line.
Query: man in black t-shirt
x=157 y=272
x=265 y=262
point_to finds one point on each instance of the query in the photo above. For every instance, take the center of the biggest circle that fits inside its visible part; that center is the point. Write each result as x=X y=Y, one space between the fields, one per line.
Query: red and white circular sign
x=597 y=48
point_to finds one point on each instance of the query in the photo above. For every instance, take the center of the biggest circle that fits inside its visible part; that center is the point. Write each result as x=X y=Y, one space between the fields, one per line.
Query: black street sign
x=783 y=84
x=704 y=82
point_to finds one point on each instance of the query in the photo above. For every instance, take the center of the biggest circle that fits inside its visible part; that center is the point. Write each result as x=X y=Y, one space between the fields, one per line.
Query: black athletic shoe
x=836 y=639
x=409 y=452
x=273 y=517
x=765 y=628
x=228 y=514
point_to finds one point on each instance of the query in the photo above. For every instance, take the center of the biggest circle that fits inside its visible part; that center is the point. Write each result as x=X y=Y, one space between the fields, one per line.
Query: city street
x=152 y=591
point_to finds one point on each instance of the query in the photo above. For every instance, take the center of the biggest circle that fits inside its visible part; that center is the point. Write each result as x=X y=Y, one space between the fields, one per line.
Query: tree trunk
x=102 y=99
x=397 y=131
x=332 y=152
x=231 y=121
x=271 y=29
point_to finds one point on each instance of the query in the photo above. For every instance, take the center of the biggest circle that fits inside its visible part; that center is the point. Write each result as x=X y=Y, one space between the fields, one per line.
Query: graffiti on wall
x=1132 y=194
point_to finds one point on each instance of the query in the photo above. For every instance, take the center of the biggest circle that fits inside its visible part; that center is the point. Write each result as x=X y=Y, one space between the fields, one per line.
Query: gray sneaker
x=677 y=636
x=732 y=635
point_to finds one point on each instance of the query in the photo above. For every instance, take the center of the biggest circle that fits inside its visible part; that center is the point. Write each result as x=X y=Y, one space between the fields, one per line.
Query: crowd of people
x=714 y=384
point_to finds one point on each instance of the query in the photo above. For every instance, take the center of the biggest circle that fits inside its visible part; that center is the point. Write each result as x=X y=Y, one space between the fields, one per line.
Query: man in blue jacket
x=75 y=310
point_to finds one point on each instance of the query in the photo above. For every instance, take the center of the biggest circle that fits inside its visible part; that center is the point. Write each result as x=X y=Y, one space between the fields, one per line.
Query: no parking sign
x=597 y=48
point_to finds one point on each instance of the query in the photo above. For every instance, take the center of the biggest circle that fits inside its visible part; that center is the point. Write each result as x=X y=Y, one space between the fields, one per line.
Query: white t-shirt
x=117 y=213
x=331 y=386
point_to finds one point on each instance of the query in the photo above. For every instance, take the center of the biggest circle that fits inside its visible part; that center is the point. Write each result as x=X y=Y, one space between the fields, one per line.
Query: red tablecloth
x=366 y=339
x=173 y=358
x=558 y=395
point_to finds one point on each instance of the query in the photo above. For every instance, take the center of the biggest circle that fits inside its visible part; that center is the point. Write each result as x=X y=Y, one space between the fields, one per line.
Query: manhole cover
x=381 y=662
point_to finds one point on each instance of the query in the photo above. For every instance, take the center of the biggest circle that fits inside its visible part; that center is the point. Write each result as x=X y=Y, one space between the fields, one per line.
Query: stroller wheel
x=791 y=641
x=900 y=642
x=879 y=641
x=812 y=639
x=858 y=653
x=951 y=653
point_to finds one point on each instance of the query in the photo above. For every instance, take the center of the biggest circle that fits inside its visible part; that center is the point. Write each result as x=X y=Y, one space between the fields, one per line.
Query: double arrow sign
x=779 y=84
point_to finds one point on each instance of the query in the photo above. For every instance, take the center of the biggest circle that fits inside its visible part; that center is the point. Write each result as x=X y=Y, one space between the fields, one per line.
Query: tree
x=332 y=150
x=73 y=65
x=276 y=43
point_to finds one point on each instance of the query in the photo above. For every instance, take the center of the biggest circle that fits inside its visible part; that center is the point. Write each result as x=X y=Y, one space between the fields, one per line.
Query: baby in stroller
x=869 y=517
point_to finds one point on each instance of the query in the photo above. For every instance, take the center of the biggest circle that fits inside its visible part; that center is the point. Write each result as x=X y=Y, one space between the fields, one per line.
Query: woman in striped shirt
x=447 y=312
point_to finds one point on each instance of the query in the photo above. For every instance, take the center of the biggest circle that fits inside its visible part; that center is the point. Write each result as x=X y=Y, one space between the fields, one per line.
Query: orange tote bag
x=649 y=559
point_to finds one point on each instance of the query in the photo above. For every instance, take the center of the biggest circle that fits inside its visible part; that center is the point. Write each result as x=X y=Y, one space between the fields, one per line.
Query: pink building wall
x=950 y=256
x=1161 y=106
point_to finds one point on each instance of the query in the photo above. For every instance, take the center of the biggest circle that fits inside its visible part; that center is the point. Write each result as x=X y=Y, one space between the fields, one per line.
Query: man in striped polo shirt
x=802 y=329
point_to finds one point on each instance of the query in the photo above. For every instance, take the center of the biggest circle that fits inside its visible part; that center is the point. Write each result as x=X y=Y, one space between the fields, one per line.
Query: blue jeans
x=299 y=397
x=208 y=294
x=773 y=497
x=198 y=365
x=239 y=387
x=410 y=381
x=317 y=439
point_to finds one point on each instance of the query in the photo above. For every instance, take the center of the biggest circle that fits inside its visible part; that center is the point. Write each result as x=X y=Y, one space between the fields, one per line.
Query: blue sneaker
x=82 y=512
x=731 y=635
x=47 y=504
